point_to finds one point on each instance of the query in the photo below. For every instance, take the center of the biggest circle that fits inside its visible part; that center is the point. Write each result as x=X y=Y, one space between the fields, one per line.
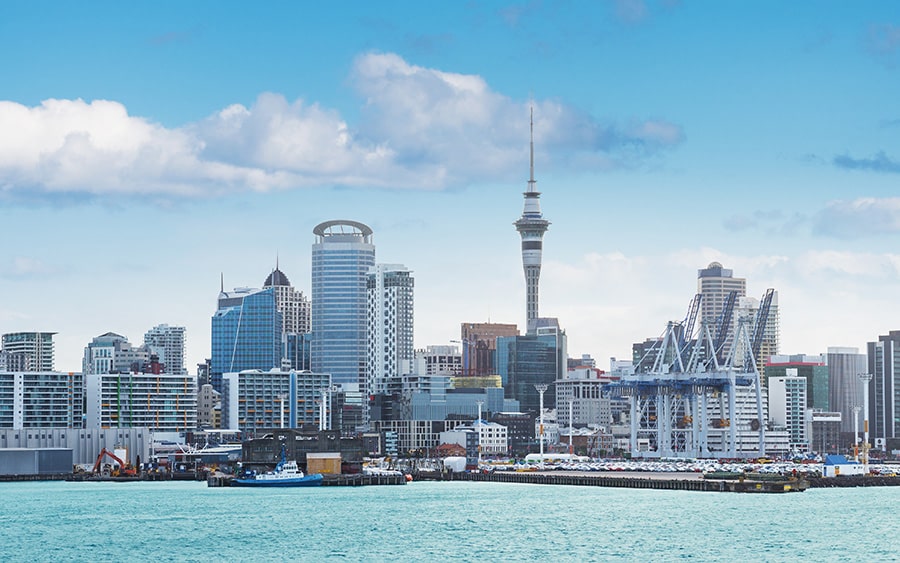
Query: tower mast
x=532 y=226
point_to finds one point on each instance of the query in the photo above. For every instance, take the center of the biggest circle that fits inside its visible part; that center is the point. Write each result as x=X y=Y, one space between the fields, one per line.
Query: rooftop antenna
x=222 y=282
x=531 y=180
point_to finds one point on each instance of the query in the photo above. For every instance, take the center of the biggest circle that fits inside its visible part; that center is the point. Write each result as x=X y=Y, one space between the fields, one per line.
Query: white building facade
x=787 y=408
x=389 y=326
x=47 y=399
x=167 y=342
x=165 y=403
x=254 y=399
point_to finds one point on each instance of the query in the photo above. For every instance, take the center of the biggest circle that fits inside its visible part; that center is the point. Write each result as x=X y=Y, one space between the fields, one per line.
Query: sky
x=149 y=151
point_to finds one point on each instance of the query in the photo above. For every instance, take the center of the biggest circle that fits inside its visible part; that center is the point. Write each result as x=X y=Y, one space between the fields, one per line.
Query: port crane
x=695 y=400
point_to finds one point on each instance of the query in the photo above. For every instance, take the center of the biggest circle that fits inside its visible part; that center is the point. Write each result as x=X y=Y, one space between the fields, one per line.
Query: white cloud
x=26 y=267
x=419 y=128
x=861 y=217
x=609 y=301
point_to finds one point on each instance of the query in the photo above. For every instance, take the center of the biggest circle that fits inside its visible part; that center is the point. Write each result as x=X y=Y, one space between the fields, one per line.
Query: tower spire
x=531 y=226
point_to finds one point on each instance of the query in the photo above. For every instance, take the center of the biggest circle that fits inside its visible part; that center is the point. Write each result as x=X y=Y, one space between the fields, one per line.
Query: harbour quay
x=352 y=480
x=689 y=482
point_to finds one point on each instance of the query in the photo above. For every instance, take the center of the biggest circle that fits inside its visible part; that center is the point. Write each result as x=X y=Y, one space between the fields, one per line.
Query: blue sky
x=145 y=150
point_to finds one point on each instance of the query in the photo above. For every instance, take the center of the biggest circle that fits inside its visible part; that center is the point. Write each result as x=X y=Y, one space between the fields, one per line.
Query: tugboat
x=286 y=474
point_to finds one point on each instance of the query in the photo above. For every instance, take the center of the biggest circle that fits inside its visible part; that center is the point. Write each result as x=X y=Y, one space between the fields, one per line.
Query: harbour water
x=440 y=521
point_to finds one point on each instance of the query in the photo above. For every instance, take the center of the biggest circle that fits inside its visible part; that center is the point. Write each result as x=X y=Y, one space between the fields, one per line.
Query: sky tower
x=531 y=227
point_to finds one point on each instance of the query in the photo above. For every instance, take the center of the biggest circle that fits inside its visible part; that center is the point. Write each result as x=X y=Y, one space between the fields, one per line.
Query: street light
x=540 y=389
x=856 y=433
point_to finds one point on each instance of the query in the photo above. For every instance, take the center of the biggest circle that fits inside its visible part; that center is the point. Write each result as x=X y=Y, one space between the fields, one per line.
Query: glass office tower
x=246 y=333
x=341 y=258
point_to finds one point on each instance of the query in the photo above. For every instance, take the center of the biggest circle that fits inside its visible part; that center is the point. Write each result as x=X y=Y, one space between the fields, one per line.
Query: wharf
x=632 y=482
x=357 y=480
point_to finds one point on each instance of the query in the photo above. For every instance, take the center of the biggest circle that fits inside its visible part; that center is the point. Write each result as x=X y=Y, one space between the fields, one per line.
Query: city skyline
x=147 y=152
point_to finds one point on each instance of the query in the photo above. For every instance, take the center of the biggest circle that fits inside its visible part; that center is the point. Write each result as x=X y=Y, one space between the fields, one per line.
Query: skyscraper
x=532 y=226
x=884 y=388
x=246 y=333
x=29 y=351
x=293 y=305
x=390 y=324
x=714 y=283
x=341 y=258
x=844 y=387
x=167 y=342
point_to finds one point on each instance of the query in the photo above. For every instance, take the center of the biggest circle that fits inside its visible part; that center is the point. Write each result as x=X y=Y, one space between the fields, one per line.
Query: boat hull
x=307 y=481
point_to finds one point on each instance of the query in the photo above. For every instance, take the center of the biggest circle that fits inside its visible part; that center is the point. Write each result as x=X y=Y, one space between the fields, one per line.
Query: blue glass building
x=246 y=333
x=341 y=258
x=536 y=358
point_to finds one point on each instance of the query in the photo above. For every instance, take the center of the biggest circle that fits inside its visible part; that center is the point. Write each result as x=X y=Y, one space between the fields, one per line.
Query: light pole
x=540 y=389
x=866 y=378
x=856 y=433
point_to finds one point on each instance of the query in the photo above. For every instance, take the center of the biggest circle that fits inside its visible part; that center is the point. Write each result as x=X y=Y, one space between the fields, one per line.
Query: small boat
x=286 y=474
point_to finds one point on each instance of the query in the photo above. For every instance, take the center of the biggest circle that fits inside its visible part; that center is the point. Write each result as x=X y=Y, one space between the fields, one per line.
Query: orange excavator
x=122 y=469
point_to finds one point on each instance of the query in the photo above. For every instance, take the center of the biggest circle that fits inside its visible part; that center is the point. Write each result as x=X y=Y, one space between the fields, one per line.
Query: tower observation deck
x=532 y=226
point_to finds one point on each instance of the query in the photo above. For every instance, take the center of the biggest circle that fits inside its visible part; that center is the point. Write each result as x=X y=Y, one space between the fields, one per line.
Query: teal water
x=432 y=521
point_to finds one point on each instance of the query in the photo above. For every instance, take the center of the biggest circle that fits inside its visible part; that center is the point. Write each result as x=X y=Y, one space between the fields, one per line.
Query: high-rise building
x=714 y=283
x=389 y=328
x=811 y=368
x=748 y=309
x=112 y=353
x=479 y=341
x=884 y=388
x=167 y=342
x=787 y=408
x=41 y=400
x=255 y=399
x=165 y=403
x=291 y=303
x=844 y=387
x=534 y=359
x=341 y=258
x=532 y=226
x=29 y=351
x=246 y=333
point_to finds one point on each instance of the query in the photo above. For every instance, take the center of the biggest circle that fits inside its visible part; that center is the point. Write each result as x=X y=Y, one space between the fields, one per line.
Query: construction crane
x=688 y=324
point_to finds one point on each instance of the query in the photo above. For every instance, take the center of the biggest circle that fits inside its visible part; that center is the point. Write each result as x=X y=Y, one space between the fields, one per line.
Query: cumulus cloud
x=858 y=218
x=418 y=128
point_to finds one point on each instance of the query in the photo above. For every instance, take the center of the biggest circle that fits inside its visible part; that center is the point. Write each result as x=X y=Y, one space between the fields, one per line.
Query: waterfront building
x=492 y=437
x=85 y=443
x=290 y=302
x=825 y=432
x=167 y=343
x=479 y=346
x=812 y=368
x=28 y=351
x=714 y=283
x=389 y=326
x=41 y=399
x=538 y=358
x=531 y=227
x=581 y=400
x=165 y=403
x=209 y=407
x=519 y=430
x=112 y=353
x=787 y=408
x=255 y=399
x=246 y=333
x=844 y=388
x=342 y=255
x=884 y=388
